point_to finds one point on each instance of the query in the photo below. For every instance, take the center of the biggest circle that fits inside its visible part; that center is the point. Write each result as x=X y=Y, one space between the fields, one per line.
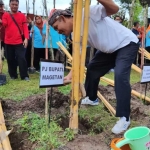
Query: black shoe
x=26 y=79
x=13 y=78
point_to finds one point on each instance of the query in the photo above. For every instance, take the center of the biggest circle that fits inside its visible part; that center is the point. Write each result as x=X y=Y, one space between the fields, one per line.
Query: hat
x=57 y=13
x=1 y=2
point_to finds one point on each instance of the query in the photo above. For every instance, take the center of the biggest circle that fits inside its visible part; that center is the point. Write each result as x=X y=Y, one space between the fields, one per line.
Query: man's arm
x=4 y=20
x=110 y=6
x=25 y=32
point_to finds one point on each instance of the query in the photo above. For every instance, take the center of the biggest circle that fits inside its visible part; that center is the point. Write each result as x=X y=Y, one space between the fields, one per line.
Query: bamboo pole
x=46 y=57
x=84 y=40
x=76 y=65
x=4 y=139
x=72 y=85
x=105 y=102
x=133 y=92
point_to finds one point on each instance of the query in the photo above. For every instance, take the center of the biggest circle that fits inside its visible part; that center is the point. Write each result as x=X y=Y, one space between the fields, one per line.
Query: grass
x=48 y=137
x=18 y=90
x=96 y=118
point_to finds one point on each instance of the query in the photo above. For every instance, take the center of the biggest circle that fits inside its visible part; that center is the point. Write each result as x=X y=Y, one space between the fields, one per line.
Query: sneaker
x=112 y=70
x=26 y=79
x=87 y=101
x=121 y=126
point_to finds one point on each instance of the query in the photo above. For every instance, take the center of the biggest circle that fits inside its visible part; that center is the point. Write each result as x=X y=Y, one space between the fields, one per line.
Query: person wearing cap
x=118 y=48
x=2 y=29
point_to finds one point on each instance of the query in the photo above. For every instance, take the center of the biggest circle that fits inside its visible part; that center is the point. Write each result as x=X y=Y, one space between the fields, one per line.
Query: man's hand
x=67 y=79
x=25 y=43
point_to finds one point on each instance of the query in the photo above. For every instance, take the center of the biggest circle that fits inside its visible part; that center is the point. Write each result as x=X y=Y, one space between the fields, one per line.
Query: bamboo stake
x=72 y=85
x=84 y=40
x=105 y=102
x=5 y=142
x=76 y=65
x=46 y=57
x=133 y=92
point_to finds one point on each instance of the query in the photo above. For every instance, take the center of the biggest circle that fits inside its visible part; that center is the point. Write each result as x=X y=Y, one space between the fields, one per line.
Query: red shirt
x=12 y=34
x=2 y=29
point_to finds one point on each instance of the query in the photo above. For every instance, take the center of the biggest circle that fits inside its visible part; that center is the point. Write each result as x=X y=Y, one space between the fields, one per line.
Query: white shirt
x=105 y=34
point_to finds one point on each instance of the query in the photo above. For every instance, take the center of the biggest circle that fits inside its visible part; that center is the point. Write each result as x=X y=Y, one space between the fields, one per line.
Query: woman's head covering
x=39 y=25
x=57 y=13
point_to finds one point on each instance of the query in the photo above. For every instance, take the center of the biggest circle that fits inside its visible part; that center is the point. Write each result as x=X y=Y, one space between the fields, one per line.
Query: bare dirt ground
x=19 y=141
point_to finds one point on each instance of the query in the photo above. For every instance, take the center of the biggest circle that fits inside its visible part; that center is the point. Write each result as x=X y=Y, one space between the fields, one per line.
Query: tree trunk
x=131 y=14
x=54 y=3
x=32 y=50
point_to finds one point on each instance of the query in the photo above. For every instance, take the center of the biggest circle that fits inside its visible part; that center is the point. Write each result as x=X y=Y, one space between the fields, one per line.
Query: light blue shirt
x=38 y=38
x=147 y=39
x=54 y=37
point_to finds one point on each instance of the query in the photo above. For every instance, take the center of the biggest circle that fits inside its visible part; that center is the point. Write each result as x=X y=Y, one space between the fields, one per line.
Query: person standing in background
x=39 y=48
x=15 y=28
x=118 y=19
x=135 y=30
x=147 y=43
x=2 y=29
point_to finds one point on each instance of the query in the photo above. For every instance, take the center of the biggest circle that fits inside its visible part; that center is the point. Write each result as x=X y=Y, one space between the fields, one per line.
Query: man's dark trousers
x=122 y=60
x=16 y=53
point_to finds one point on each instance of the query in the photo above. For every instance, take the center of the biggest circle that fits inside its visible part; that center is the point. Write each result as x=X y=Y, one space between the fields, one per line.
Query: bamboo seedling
x=46 y=56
